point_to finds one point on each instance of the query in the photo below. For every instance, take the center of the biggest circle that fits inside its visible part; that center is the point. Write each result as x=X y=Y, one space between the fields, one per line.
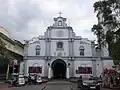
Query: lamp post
x=49 y=71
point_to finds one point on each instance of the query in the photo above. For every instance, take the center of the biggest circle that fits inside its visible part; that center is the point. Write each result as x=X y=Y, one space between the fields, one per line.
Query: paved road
x=75 y=87
x=53 y=85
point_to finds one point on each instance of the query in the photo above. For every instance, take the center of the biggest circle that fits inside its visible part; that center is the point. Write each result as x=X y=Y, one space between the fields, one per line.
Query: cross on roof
x=60 y=13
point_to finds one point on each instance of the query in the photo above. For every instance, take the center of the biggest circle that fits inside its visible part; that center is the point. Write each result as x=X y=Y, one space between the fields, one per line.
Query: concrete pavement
x=51 y=85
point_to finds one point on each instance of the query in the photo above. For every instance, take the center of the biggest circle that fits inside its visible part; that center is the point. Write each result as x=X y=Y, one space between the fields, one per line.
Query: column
x=93 y=59
x=102 y=61
x=26 y=58
x=49 y=72
x=94 y=67
x=102 y=67
x=25 y=68
x=68 y=76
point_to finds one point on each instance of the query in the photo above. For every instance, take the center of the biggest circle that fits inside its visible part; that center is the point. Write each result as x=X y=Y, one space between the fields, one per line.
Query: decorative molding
x=75 y=58
x=60 y=49
x=49 y=28
x=69 y=28
x=47 y=57
x=48 y=39
x=71 y=58
x=57 y=27
x=83 y=42
x=36 y=42
x=71 y=39
x=59 y=54
x=60 y=39
x=25 y=57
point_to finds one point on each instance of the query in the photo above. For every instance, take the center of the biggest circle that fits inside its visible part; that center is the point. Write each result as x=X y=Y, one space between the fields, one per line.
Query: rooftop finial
x=60 y=13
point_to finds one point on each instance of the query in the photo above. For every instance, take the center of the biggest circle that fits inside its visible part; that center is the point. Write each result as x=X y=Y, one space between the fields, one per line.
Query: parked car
x=88 y=83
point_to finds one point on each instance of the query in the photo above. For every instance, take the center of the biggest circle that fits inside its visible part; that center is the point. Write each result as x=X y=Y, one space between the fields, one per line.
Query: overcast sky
x=25 y=19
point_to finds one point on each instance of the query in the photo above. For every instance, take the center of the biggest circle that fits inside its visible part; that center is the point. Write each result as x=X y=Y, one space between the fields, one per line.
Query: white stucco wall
x=108 y=64
x=98 y=68
x=87 y=47
x=32 y=50
x=65 y=51
x=54 y=33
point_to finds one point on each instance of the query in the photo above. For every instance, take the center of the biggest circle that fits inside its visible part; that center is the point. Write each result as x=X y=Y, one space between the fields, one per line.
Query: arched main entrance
x=59 y=69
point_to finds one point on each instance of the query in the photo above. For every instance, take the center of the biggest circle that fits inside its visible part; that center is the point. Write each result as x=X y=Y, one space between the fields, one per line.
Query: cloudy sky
x=25 y=19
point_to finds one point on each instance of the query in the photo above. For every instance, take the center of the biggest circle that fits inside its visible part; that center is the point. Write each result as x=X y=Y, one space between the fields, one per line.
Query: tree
x=110 y=11
x=116 y=52
x=98 y=31
x=2 y=47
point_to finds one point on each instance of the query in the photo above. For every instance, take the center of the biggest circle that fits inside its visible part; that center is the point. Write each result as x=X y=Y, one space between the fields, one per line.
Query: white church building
x=59 y=53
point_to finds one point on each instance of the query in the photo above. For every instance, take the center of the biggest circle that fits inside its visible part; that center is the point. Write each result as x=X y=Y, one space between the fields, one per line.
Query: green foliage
x=110 y=40
x=110 y=11
x=116 y=52
x=98 y=31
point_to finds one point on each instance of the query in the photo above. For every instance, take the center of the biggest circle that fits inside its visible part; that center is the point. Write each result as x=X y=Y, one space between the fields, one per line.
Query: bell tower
x=60 y=21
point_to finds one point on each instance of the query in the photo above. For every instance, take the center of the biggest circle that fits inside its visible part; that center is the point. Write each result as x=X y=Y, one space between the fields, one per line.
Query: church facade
x=59 y=53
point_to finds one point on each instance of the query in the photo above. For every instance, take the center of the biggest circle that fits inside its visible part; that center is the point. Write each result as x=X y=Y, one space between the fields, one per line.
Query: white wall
x=32 y=50
x=65 y=33
x=64 y=52
x=87 y=47
x=108 y=64
x=98 y=68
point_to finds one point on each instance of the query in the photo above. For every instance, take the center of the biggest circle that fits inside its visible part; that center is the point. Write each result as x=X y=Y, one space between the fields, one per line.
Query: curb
x=3 y=87
x=73 y=81
x=44 y=81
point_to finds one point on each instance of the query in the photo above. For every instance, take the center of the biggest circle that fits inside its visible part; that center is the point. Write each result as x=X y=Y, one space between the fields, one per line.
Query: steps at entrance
x=59 y=82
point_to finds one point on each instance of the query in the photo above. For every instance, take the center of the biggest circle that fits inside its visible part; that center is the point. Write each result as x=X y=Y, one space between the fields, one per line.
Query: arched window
x=59 y=23
x=37 y=50
x=81 y=48
x=60 y=45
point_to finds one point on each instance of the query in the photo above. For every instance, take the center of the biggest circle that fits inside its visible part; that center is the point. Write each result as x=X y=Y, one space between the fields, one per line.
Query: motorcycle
x=17 y=80
x=34 y=79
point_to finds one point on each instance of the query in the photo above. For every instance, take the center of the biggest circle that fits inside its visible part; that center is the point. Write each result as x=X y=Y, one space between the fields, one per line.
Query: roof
x=11 y=40
x=5 y=32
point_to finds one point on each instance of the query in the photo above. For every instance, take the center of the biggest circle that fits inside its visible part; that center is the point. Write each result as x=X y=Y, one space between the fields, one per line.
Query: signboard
x=84 y=70
x=35 y=69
